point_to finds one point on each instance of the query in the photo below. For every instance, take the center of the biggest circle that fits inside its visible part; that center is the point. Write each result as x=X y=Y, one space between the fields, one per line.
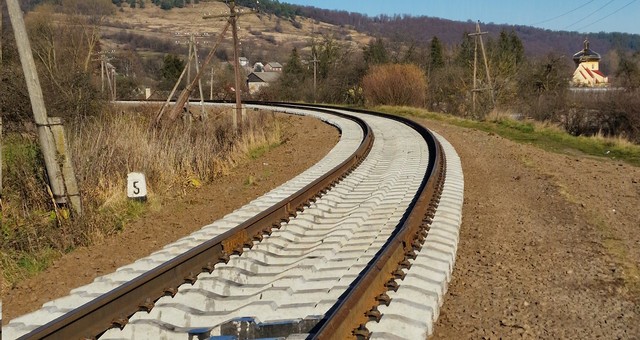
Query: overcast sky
x=570 y=15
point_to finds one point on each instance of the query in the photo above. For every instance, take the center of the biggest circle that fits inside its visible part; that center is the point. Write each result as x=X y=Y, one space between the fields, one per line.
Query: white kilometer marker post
x=137 y=186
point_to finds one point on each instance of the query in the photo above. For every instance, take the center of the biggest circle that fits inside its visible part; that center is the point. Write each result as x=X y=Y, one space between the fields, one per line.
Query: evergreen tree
x=172 y=68
x=464 y=55
x=376 y=52
x=436 y=54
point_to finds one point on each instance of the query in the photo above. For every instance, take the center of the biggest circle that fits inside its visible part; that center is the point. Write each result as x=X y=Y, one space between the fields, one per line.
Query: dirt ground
x=549 y=245
x=307 y=140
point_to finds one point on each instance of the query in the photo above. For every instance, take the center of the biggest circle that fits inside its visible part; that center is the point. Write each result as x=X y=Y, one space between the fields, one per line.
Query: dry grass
x=175 y=158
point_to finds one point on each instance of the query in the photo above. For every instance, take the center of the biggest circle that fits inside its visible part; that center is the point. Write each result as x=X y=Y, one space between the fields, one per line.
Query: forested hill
x=422 y=29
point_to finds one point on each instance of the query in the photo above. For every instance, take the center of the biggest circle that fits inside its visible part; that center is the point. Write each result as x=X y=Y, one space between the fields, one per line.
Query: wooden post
x=486 y=68
x=189 y=70
x=475 y=73
x=1 y=108
x=211 y=87
x=37 y=102
x=236 y=56
x=195 y=53
x=62 y=147
x=184 y=94
x=315 y=62
x=478 y=35
x=173 y=91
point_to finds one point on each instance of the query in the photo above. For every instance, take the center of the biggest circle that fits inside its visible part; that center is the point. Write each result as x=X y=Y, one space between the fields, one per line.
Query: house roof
x=263 y=77
x=275 y=64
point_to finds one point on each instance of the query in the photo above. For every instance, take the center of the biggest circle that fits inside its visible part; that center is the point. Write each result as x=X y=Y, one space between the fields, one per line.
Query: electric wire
x=563 y=14
x=592 y=13
x=616 y=11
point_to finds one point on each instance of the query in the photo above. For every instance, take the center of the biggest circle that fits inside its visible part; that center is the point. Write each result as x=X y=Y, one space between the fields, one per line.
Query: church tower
x=587 y=73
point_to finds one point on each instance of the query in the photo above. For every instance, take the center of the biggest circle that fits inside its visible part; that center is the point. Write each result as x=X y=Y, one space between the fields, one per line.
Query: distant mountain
x=422 y=29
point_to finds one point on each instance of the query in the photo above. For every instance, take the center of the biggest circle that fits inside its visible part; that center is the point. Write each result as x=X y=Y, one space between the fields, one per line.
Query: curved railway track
x=360 y=245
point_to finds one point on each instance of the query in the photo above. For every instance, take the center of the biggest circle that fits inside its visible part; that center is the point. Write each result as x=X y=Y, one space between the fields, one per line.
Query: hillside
x=421 y=29
x=263 y=36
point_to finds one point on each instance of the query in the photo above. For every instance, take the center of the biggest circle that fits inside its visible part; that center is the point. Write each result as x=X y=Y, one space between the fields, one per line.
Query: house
x=244 y=62
x=258 y=80
x=587 y=73
x=273 y=67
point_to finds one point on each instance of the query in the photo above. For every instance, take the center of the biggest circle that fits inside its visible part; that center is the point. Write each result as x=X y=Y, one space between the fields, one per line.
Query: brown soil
x=549 y=245
x=307 y=140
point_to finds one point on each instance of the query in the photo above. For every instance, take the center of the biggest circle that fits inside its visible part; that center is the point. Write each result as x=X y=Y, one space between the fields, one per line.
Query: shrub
x=395 y=84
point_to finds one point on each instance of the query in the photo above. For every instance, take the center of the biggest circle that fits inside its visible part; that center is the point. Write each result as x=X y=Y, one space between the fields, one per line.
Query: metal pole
x=45 y=137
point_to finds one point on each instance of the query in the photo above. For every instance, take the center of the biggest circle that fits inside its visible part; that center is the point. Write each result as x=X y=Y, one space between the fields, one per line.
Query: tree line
x=440 y=78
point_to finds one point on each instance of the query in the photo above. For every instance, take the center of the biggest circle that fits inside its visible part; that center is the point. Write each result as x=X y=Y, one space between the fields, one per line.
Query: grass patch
x=617 y=249
x=259 y=151
x=545 y=137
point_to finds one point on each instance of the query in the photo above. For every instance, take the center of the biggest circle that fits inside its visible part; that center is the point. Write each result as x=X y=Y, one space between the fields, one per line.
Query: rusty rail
x=114 y=308
x=359 y=304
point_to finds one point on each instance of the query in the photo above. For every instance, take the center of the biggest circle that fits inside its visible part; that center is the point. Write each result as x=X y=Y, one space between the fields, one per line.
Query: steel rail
x=359 y=303
x=114 y=308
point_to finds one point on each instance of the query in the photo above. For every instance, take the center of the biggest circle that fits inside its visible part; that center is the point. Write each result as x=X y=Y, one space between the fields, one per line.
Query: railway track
x=360 y=245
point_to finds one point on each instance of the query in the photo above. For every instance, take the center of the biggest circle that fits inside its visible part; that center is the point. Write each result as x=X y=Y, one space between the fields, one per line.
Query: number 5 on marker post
x=136 y=186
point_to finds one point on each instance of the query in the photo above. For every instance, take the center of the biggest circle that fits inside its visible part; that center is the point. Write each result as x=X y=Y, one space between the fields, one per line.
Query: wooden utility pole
x=315 y=62
x=193 y=56
x=190 y=87
x=211 y=87
x=1 y=107
x=478 y=36
x=60 y=185
x=233 y=20
x=236 y=61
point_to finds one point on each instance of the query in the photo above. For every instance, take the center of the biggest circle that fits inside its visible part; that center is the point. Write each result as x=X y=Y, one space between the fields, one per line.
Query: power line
x=592 y=13
x=616 y=11
x=563 y=14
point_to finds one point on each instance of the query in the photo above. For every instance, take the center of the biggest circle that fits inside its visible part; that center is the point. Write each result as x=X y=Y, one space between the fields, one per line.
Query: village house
x=587 y=73
x=258 y=80
x=273 y=67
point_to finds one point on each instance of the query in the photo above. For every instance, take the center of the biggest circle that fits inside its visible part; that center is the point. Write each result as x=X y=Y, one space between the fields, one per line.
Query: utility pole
x=315 y=62
x=61 y=181
x=233 y=21
x=478 y=36
x=1 y=107
x=236 y=62
x=211 y=87
x=193 y=56
x=108 y=70
x=179 y=105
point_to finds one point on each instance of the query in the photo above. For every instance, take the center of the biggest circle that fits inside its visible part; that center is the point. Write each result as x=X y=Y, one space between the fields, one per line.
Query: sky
x=583 y=16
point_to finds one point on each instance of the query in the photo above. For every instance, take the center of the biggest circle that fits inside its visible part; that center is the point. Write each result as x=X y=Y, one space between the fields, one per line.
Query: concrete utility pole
x=478 y=36
x=60 y=186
